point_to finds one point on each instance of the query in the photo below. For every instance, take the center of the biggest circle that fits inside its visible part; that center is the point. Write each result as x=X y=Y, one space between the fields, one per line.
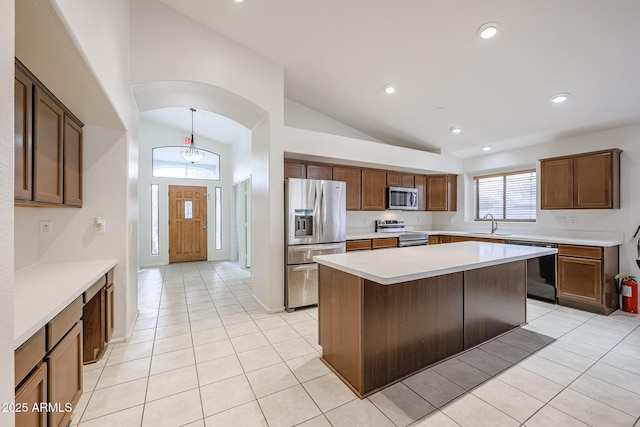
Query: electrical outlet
x=572 y=221
x=46 y=226
x=561 y=220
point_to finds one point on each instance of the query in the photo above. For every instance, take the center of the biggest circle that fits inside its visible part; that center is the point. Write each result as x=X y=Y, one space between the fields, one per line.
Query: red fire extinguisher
x=630 y=295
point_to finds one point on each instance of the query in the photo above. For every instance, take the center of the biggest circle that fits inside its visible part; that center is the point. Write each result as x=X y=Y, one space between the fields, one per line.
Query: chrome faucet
x=494 y=224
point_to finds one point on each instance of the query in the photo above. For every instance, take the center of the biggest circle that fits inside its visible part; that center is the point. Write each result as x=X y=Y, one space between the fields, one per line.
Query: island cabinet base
x=373 y=335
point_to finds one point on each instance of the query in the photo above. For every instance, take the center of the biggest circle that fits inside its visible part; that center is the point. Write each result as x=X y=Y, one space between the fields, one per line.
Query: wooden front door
x=187 y=223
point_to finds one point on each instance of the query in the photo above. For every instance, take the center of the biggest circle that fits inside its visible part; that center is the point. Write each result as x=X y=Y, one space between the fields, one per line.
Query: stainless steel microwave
x=402 y=198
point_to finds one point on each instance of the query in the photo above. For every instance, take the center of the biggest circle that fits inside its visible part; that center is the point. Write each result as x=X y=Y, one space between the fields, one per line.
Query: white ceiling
x=338 y=55
x=205 y=124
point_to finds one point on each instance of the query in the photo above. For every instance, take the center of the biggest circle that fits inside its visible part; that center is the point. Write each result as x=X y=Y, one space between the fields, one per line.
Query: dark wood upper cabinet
x=582 y=181
x=72 y=162
x=47 y=146
x=397 y=179
x=48 y=119
x=596 y=181
x=353 y=178
x=420 y=182
x=373 y=190
x=556 y=183
x=294 y=169
x=319 y=172
x=442 y=192
x=23 y=149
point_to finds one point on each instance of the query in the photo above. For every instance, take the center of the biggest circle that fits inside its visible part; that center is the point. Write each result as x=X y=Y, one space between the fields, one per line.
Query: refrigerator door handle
x=306 y=267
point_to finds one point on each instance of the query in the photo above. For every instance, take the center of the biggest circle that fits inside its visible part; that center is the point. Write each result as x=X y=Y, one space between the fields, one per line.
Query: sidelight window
x=508 y=196
x=154 y=219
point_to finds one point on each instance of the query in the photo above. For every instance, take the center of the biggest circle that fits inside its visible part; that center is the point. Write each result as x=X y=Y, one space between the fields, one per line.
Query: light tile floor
x=204 y=353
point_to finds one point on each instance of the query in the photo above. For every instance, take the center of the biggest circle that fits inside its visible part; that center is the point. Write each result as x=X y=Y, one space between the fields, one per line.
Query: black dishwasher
x=541 y=272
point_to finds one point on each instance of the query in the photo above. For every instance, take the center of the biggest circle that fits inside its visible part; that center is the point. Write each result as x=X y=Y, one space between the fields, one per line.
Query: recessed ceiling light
x=238 y=1
x=486 y=148
x=488 y=30
x=389 y=89
x=560 y=97
x=455 y=130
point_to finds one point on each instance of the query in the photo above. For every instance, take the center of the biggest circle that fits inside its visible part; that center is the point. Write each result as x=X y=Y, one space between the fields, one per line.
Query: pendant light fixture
x=192 y=154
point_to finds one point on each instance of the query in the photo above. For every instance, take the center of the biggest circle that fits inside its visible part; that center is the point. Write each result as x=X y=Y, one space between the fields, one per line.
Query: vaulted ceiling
x=338 y=55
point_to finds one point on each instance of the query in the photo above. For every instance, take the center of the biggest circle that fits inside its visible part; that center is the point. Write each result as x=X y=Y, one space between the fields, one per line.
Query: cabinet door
x=420 y=182
x=406 y=180
x=72 y=163
x=397 y=179
x=109 y=313
x=22 y=141
x=373 y=190
x=353 y=178
x=33 y=392
x=93 y=318
x=294 y=169
x=434 y=240
x=592 y=181
x=319 y=172
x=441 y=192
x=65 y=374
x=47 y=148
x=394 y=179
x=556 y=184
x=580 y=279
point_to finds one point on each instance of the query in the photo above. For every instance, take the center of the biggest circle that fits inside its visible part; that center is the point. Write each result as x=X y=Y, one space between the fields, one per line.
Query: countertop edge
x=510 y=236
x=391 y=280
x=22 y=336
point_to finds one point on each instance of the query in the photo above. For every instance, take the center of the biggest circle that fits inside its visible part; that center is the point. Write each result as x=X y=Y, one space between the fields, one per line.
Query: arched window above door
x=169 y=163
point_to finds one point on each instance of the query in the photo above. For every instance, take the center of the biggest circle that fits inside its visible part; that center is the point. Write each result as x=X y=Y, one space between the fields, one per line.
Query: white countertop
x=42 y=291
x=574 y=240
x=395 y=265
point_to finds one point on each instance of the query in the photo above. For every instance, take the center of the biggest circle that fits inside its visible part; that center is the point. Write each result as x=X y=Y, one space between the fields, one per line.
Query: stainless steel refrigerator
x=315 y=224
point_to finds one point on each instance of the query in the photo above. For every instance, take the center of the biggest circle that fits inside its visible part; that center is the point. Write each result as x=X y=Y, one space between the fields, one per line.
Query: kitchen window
x=507 y=196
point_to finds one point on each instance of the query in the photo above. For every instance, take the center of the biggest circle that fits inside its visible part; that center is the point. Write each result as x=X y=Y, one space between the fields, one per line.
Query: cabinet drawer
x=94 y=289
x=64 y=321
x=28 y=355
x=580 y=251
x=387 y=242
x=110 y=277
x=358 y=245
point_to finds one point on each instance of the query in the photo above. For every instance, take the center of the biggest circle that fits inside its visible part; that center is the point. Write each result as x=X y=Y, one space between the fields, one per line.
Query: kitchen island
x=386 y=314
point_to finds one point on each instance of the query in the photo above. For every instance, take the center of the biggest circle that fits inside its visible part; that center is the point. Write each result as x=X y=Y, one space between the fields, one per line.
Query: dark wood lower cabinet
x=65 y=376
x=495 y=301
x=32 y=392
x=93 y=316
x=408 y=326
x=373 y=335
x=109 y=313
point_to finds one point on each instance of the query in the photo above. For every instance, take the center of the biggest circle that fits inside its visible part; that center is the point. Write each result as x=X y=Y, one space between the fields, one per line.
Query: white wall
x=72 y=236
x=154 y=134
x=100 y=31
x=241 y=158
x=300 y=116
x=7 y=55
x=589 y=221
x=302 y=143
x=162 y=42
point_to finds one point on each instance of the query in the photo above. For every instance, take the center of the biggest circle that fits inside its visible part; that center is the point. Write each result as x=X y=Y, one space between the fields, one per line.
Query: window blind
x=510 y=196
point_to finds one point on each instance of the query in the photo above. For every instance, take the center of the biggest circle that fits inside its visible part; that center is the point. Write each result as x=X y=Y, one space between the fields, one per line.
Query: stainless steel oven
x=541 y=272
